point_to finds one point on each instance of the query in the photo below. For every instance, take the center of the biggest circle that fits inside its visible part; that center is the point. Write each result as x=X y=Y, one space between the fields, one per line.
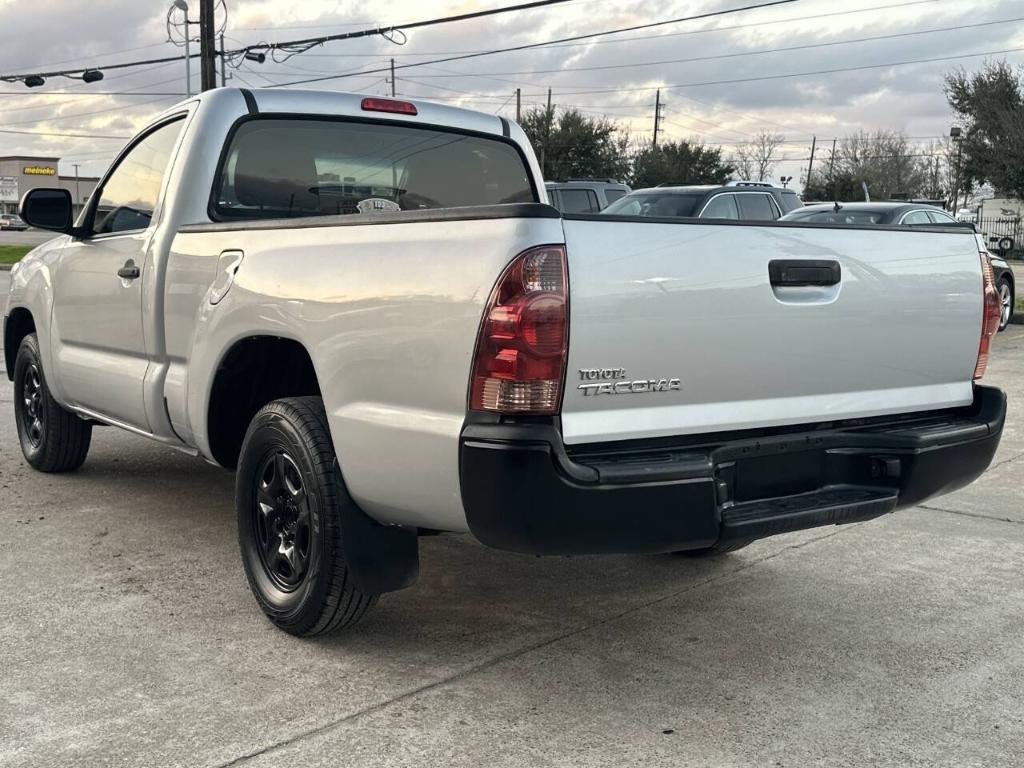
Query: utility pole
x=548 y=118
x=956 y=135
x=810 y=163
x=78 y=194
x=657 y=116
x=519 y=104
x=831 y=165
x=392 y=77
x=223 y=64
x=207 y=47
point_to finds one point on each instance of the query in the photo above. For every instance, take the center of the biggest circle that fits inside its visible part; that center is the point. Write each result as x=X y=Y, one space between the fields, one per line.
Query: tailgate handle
x=797 y=272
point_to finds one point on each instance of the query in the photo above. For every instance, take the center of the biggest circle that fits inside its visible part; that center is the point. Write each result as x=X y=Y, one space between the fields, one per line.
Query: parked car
x=881 y=213
x=736 y=200
x=1006 y=286
x=584 y=195
x=407 y=366
x=914 y=215
x=12 y=221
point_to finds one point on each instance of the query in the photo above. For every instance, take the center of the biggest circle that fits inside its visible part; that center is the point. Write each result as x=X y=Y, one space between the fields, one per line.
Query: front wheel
x=290 y=500
x=52 y=438
x=1005 y=303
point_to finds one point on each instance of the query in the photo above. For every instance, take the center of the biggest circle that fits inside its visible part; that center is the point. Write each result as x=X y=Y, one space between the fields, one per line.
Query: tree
x=570 y=144
x=884 y=160
x=990 y=107
x=755 y=159
x=679 y=162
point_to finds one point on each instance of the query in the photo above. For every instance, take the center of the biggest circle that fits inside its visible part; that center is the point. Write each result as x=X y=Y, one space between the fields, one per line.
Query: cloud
x=596 y=75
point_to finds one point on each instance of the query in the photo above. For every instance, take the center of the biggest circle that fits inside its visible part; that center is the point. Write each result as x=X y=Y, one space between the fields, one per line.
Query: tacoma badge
x=619 y=384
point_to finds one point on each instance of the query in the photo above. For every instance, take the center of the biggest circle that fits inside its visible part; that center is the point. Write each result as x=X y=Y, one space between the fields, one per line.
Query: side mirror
x=48 y=209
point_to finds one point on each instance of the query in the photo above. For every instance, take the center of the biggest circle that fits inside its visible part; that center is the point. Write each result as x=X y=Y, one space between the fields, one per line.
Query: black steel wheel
x=52 y=438
x=290 y=501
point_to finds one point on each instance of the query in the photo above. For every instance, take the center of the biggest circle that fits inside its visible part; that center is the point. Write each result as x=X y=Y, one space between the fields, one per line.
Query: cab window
x=130 y=194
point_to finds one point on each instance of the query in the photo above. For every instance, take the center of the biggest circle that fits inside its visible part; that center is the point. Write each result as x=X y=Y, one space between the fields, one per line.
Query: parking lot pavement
x=29 y=237
x=128 y=637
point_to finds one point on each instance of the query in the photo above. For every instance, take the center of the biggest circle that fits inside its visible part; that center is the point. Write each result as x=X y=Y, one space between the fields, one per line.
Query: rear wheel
x=1005 y=303
x=52 y=438
x=290 y=500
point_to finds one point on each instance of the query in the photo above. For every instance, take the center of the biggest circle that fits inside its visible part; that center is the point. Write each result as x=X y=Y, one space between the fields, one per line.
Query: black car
x=737 y=200
x=906 y=214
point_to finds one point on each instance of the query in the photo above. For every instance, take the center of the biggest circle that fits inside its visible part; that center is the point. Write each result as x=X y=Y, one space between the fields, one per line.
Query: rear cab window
x=284 y=167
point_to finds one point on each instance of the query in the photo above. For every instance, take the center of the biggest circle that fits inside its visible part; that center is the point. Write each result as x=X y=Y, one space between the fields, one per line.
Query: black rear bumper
x=523 y=491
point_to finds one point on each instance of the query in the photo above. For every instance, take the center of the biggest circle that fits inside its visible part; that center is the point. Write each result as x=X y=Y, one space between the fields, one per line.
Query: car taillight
x=371 y=104
x=990 y=314
x=519 y=364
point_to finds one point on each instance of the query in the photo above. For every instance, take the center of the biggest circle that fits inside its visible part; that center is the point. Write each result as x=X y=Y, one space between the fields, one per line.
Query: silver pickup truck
x=367 y=309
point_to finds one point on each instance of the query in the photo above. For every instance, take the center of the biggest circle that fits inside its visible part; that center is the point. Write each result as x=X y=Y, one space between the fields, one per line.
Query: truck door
x=100 y=352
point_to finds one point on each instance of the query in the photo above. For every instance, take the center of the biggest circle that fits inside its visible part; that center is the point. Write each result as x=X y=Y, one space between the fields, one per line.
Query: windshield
x=656 y=204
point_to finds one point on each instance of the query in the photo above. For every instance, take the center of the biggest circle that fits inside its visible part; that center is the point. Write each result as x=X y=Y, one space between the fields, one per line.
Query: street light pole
x=78 y=194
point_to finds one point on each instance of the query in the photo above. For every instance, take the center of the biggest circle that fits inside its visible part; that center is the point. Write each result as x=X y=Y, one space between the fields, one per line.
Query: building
x=20 y=173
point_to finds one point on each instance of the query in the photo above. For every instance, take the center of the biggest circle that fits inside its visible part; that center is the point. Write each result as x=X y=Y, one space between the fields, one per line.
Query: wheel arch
x=252 y=372
x=19 y=324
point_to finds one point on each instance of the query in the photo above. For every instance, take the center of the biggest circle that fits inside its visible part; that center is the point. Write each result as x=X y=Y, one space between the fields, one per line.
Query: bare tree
x=755 y=159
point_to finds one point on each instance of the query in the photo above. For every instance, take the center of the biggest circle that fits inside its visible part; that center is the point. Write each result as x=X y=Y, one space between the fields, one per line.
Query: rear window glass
x=666 y=205
x=281 y=168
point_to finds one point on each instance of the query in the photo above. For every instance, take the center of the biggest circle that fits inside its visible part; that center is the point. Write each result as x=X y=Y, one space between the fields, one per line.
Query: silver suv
x=585 y=195
x=736 y=200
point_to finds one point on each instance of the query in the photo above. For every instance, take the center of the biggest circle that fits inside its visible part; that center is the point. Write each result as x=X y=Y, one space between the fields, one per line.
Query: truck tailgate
x=679 y=328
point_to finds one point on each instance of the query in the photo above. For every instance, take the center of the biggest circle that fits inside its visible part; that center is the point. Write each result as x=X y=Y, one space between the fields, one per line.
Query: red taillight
x=990 y=314
x=389 y=105
x=520 y=354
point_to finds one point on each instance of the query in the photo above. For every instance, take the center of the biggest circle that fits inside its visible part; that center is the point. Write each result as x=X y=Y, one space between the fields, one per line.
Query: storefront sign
x=39 y=170
x=8 y=189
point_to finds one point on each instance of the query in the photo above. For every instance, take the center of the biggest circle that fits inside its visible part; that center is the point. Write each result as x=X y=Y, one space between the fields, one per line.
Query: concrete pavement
x=128 y=637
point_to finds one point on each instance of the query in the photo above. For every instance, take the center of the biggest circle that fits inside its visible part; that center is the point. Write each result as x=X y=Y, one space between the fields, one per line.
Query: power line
x=66 y=135
x=529 y=46
x=740 y=54
x=295 y=46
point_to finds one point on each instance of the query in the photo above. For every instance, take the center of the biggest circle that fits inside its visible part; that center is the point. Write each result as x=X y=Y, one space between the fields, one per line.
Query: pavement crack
x=977 y=515
x=525 y=650
x=1009 y=460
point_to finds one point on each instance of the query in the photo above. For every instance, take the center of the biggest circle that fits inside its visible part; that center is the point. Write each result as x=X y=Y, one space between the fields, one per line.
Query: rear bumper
x=523 y=491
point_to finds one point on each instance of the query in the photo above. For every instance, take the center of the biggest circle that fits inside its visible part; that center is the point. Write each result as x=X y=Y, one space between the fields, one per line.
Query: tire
x=1005 y=291
x=52 y=438
x=714 y=551
x=290 y=500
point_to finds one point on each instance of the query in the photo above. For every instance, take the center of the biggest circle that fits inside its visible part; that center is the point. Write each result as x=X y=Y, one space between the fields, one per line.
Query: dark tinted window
x=611 y=195
x=130 y=194
x=790 y=201
x=756 y=207
x=579 y=201
x=283 y=167
x=661 y=204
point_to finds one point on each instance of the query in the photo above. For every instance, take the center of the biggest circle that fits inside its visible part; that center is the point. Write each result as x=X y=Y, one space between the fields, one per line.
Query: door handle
x=129 y=271
x=804 y=272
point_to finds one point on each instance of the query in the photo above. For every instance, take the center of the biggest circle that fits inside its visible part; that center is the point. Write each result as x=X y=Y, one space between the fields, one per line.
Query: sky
x=722 y=79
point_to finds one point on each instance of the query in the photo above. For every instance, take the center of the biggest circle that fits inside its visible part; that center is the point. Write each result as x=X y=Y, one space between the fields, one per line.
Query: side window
x=721 y=207
x=916 y=217
x=756 y=207
x=555 y=198
x=579 y=201
x=130 y=194
x=611 y=195
x=939 y=217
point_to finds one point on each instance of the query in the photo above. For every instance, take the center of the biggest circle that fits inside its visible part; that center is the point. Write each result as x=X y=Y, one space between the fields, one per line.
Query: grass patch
x=9 y=254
